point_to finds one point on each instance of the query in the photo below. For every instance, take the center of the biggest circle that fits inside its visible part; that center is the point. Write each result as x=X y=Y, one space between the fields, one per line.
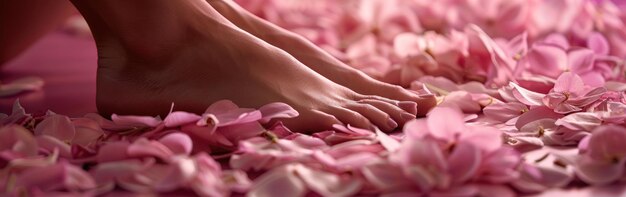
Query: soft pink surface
x=68 y=66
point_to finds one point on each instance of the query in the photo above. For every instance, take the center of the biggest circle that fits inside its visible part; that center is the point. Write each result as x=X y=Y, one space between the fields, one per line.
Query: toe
x=350 y=117
x=398 y=114
x=424 y=103
x=311 y=122
x=375 y=115
x=407 y=106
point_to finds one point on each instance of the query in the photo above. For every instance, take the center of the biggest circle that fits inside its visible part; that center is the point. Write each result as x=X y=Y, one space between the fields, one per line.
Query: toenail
x=407 y=116
x=408 y=106
x=392 y=124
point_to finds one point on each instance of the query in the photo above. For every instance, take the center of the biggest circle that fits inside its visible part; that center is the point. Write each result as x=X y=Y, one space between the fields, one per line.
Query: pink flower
x=604 y=157
x=570 y=94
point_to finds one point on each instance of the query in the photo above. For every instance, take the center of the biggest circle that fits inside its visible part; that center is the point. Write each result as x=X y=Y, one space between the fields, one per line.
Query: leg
x=315 y=58
x=155 y=52
x=23 y=22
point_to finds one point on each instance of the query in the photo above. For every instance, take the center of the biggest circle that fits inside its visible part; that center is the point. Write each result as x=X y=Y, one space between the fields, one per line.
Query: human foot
x=317 y=59
x=204 y=59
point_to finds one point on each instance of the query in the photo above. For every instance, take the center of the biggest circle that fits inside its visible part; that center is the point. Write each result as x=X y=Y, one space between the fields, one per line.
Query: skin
x=156 y=52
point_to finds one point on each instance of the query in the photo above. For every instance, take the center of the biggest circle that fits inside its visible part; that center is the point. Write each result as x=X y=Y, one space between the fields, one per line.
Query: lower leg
x=22 y=22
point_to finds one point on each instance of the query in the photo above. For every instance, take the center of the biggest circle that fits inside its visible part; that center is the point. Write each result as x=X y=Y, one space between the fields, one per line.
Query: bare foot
x=317 y=59
x=199 y=59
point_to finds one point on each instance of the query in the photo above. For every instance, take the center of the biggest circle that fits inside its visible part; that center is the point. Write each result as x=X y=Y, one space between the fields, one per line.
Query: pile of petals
x=547 y=75
x=531 y=98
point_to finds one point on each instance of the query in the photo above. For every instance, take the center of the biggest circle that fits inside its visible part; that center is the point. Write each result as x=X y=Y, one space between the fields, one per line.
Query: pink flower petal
x=387 y=177
x=21 y=85
x=547 y=60
x=585 y=121
x=607 y=143
x=147 y=148
x=463 y=162
x=178 y=143
x=113 y=151
x=278 y=182
x=57 y=126
x=444 y=123
x=179 y=118
x=87 y=131
x=526 y=96
x=598 y=43
x=569 y=83
x=599 y=172
x=581 y=60
x=19 y=140
x=61 y=176
x=277 y=110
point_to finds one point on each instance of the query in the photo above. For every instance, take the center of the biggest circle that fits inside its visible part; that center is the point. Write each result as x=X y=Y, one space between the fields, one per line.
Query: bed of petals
x=531 y=98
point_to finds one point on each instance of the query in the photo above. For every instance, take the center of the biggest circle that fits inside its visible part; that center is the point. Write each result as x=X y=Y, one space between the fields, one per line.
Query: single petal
x=607 y=143
x=487 y=190
x=569 y=83
x=487 y=139
x=463 y=162
x=221 y=106
x=598 y=43
x=278 y=182
x=57 y=126
x=277 y=110
x=581 y=60
x=504 y=111
x=148 y=148
x=178 y=143
x=387 y=177
x=113 y=151
x=536 y=113
x=547 y=60
x=585 y=121
x=87 y=131
x=526 y=96
x=179 y=118
x=457 y=191
x=50 y=144
x=408 y=44
x=18 y=139
x=444 y=123
x=327 y=184
x=21 y=85
x=599 y=172
x=388 y=142
x=60 y=176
